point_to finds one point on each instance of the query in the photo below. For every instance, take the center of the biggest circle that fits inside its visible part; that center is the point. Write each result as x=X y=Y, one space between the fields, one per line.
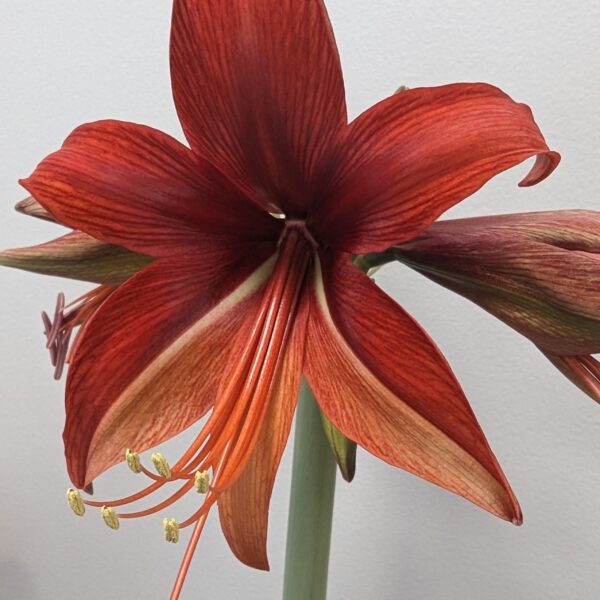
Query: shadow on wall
x=16 y=580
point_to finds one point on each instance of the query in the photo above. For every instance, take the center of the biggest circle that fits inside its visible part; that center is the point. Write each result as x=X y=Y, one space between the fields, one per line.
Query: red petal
x=259 y=91
x=382 y=381
x=411 y=157
x=149 y=362
x=131 y=185
x=244 y=508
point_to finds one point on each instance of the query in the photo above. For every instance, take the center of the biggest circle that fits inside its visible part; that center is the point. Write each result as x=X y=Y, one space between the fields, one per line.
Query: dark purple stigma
x=57 y=336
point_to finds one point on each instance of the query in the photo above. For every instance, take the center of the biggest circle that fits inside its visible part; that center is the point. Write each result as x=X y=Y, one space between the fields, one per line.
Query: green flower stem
x=311 y=506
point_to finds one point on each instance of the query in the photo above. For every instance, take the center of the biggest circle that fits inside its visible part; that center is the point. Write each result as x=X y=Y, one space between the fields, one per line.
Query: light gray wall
x=66 y=62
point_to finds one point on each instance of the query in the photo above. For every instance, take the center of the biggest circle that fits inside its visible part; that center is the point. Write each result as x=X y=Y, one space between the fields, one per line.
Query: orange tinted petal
x=149 y=362
x=244 y=508
x=382 y=382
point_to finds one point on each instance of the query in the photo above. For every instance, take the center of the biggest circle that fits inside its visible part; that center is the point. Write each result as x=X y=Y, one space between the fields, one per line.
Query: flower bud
x=32 y=208
x=537 y=272
x=77 y=256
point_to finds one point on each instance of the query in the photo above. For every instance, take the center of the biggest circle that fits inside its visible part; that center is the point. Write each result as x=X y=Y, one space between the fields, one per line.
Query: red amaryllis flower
x=537 y=272
x=253 y=228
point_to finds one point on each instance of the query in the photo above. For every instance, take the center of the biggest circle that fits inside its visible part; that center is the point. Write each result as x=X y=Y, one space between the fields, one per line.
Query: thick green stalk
x=311 y=506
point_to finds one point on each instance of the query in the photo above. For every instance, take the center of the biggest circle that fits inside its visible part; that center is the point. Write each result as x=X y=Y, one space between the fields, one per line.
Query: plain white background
x=66 y=62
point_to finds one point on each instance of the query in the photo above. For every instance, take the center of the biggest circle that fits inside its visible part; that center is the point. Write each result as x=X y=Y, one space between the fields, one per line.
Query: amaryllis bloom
x=538 y=272
x=253 y=227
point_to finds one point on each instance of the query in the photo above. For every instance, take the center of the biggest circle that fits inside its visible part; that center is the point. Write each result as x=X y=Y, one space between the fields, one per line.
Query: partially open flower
x=537 y=272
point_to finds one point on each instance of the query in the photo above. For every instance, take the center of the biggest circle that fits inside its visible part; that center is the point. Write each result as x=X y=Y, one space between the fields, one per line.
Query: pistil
x=59 y=329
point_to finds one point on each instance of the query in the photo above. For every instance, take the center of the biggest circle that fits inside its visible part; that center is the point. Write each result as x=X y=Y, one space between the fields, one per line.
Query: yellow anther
x=201 y=482
x=171 y=528
x=161 y=465
x=110 y=517
x=133 y=461
x=75 y=502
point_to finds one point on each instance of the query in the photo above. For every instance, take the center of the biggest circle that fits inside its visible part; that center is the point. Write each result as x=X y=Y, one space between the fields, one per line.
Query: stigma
x=67 y=317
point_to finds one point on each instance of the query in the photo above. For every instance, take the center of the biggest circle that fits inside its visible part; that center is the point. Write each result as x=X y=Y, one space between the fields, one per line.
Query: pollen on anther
x=201 y=482
x=133 y=461
x=110 y=517
x=76 y=502
x=161 y=465
x=171 y=529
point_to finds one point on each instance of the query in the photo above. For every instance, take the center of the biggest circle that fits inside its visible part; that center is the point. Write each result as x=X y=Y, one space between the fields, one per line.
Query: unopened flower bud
x=537 y=272
x=31 y=207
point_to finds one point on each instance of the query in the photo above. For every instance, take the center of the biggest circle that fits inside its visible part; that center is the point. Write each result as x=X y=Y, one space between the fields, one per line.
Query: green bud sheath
x=344 y=449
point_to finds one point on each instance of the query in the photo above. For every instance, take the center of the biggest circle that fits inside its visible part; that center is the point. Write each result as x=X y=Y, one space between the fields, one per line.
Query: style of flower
x=537 y=272
x=253 y=229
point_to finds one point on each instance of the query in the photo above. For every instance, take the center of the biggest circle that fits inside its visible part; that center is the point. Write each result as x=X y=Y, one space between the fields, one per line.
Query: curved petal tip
x=518 y=517
x=544 y=165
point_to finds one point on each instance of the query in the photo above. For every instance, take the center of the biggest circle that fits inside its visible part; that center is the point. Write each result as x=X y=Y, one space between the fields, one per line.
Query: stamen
x=161 y=465
x=201 y=482
x=75 y=502
x=133 y=461
x=110 y=517
x=182 y=491
x=171 y=529
x=227 y=440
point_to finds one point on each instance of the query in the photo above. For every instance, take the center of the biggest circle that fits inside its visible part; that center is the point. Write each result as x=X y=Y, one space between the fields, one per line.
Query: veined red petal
x=259 y=91
x=244 y=508
x=382 y=382
x=149 y=362
x=136 y=187
x=413 y=156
